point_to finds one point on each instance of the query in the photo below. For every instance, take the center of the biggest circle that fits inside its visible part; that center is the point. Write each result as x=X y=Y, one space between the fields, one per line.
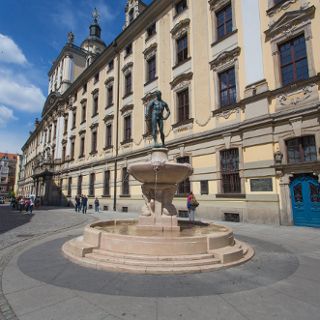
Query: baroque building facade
x=241 y=79
x=8 y=164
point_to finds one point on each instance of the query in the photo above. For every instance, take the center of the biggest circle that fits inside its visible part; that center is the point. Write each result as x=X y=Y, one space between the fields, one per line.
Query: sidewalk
x=281 y=281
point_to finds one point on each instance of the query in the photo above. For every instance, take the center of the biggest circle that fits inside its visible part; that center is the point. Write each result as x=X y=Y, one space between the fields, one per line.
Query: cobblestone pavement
x=281 y=281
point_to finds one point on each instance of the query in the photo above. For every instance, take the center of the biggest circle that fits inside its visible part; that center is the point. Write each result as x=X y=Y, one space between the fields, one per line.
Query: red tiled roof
x=11 y=156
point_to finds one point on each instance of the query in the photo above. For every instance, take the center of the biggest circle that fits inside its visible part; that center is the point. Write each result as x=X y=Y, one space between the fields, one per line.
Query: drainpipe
x=117 y=129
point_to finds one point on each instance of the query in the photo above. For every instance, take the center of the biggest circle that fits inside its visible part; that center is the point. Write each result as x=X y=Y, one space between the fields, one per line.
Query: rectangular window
x=127 y=128
x=94 y=142
x=75 y=96
x=181 y=6
x=54 y=130
x=128 y=84
x=301 y=149
x=65 y=126
x=63 y=154
x=204 y=187
x=109 y=96
x=84 y=112
x=128 y=49
x=106 y=183
x=82 y=146
x=182 y=49
x=109 y=135
x=184 y=186
x=229 y=162
x=95 y=105
x=227 y=86
x=69 y=186
x=79 y=186
x=293 y=60
x=92 y=179
x=110 y=65
x=74 y=119
x=96 y=78
x=125 y=182
x=151 y=30
x=224 y=21
x=84 y=88
x=72 y=149
x=151 y=69
x=183 y=105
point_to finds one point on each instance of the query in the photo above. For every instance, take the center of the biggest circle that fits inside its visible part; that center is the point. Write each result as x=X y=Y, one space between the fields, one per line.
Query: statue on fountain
x=154 y=115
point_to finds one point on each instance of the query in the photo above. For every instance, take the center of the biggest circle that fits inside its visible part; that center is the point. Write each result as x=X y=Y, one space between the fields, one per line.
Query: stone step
x=119 y=267
x=153 y=258
x=152 y=263
x=229 y=254
x=77 y=247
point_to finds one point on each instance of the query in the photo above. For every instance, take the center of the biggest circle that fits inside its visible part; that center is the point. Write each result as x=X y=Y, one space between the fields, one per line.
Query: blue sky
x=32 y=33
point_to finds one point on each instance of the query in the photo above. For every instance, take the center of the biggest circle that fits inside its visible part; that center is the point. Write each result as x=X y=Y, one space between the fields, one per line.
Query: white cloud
x=10 y=52
x=18 y=93
x=6 y=115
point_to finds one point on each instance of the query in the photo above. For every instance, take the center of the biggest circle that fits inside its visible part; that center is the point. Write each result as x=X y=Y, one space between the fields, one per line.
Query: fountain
x=158 y=242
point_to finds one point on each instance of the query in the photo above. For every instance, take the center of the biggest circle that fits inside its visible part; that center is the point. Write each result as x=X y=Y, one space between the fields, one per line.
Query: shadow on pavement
x=12 y=218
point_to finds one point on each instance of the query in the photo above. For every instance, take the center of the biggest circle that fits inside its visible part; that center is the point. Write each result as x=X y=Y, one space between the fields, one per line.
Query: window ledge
x=94 y=115
x=150 y=81
x=224 y=37
x=180 y=13
x=92 y=153
x=231 y=195
x=106 y=196
x=82 y=122
x=148 y=38
x=109 y=106
x=127 y=95
x=91 y=196
x=127 y=55
x=182 y=123
x=181 y=63
x=125 y=196
x=110 y=69
x=126 y=141
x=226 y=108
x=108 y=148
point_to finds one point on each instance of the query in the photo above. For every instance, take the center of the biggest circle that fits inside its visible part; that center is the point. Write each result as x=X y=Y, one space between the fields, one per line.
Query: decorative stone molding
x=64 y=141
x=296 y=124
x=180 y=28
x=289 y=21
x=181 y=81
x=225 y=57
x=109 y=81
x=127 y=68
x=279 y=7
x=95 y=91
x=150 y=51
x=126 y=108
x=216 y=5
x=221 y=113
x=94 y=125
x=108 y=118
x=72 y=137
x=296 y=97
x=82 y=132
x=84 y=100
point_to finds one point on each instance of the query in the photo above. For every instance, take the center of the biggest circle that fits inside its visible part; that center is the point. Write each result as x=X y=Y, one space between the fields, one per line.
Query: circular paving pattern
x=270 y=264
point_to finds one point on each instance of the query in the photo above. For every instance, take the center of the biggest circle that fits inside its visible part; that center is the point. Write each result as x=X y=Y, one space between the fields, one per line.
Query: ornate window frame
x=128 y=68
x=150 y=52
x=223 y=62
x=179 y=30
x=288 y=26
x=180 y=83
x=108 y=84
x=126 y=111
x=215 y=6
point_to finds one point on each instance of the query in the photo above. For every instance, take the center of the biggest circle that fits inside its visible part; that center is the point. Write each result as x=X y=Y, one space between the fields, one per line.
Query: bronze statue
x=154 y=114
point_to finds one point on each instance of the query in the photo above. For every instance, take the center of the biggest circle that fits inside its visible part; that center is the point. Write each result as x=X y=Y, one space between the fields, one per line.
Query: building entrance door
x=305 y=198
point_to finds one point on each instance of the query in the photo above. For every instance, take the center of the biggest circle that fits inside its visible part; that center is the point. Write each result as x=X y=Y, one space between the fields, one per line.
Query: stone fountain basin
x=168 y=173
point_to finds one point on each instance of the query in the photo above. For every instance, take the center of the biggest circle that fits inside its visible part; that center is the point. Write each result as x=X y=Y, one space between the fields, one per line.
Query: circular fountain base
x=123 y=246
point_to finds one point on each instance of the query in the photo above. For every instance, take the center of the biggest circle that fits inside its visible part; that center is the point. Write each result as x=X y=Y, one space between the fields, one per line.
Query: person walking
x=192 y=204
x=84 y=204
x=31 y=204
x=96 y=205
x=77 y=203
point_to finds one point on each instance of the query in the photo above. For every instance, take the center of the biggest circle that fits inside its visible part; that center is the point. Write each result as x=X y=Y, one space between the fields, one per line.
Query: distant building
x=8 y=162
x=242 y=80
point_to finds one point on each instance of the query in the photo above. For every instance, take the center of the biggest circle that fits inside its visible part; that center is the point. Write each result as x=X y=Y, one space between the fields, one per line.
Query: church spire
x=95 y=30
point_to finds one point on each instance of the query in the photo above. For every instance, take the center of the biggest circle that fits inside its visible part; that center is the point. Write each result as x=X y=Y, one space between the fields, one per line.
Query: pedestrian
x=31 y=204
x=26 y=204
x=77 y=203
x=96 y=205
x=192 y=204
x=84 y=204
x=21 y=204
